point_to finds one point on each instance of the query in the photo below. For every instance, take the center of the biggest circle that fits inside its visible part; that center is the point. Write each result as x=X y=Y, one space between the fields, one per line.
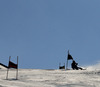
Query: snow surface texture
x=51 y=78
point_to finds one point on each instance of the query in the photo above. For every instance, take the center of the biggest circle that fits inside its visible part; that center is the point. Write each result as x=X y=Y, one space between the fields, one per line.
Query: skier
x=74 y=66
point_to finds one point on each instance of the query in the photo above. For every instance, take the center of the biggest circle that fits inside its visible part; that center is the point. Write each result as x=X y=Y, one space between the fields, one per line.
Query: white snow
x=50 y=78
x=94 y=67
x=1 y=67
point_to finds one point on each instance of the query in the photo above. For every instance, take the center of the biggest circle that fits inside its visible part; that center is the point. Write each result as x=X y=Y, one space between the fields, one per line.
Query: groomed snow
x=51 y=78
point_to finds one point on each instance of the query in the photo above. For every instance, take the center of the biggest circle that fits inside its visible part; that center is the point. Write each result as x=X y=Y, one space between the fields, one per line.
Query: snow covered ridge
x=94 y=67
x=51 y=78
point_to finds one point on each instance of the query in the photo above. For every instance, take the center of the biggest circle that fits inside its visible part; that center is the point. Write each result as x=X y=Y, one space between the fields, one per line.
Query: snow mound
x=1 y=67
x=94 y=67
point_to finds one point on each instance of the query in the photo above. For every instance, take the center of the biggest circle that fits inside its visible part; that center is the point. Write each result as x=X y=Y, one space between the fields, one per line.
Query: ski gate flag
x=69 y=57
x=12 y=65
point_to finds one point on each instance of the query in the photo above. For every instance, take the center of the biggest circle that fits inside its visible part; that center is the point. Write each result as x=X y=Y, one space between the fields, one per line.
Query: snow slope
x=50 y=78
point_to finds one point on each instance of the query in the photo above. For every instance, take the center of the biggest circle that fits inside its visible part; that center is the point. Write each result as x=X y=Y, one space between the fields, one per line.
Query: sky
x=41 y=32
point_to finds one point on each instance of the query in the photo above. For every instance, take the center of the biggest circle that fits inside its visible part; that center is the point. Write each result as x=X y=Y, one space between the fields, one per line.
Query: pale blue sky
x=40 y=32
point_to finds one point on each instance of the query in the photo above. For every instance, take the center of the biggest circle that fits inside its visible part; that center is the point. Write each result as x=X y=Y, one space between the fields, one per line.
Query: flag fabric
x=69 y=57
x=12 y=65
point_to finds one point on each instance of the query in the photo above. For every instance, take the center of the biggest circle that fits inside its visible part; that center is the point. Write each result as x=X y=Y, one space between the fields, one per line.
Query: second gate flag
x=12 y=65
